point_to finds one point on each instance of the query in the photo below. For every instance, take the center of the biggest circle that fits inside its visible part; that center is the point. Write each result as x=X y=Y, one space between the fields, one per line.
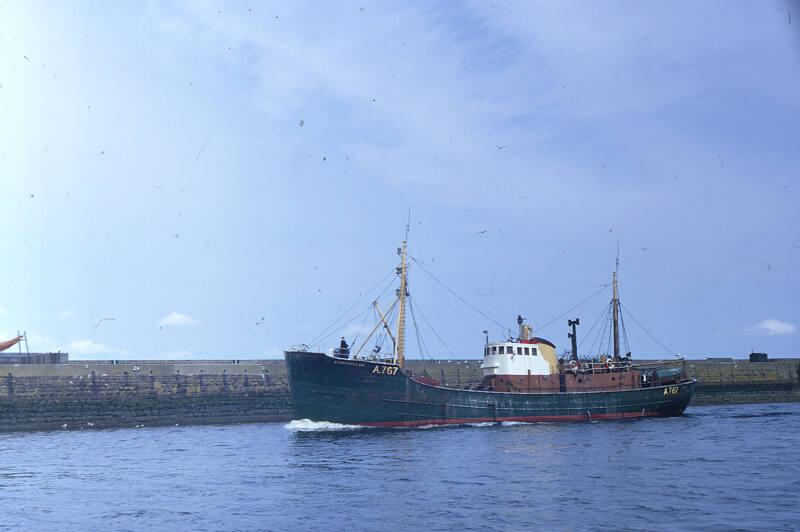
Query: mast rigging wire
x=624 y=331
x=326 y=329
x=434 y=331
x=419 y=263
x=589 y=334
x=603 y=287
x=601 y=332
x=360 y=327
x=420 y=344
x=648 y=332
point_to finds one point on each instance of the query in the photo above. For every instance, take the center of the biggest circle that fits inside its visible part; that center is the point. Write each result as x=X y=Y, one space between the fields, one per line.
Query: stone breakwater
x=129 y=393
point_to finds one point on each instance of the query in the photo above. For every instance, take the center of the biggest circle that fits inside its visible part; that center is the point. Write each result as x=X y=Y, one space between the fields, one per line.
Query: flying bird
x=101 y=321
x=499 y=147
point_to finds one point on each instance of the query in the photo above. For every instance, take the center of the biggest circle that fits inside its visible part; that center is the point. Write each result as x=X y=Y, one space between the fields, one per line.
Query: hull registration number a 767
x=385 y=370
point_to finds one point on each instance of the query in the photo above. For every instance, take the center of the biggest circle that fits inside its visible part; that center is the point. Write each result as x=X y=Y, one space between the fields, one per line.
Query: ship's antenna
x=615 y=305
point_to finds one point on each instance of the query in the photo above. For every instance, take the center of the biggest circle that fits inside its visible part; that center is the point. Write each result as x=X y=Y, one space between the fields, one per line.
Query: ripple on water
x=718 y=468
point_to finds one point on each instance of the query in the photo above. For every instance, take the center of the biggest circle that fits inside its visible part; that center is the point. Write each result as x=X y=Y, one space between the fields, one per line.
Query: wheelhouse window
x=501 y=350
x=527 y=350
x=494 y=349
x=533 y=351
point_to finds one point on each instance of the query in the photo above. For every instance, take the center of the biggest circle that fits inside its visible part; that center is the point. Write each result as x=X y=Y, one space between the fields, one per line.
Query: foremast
x=402 y=293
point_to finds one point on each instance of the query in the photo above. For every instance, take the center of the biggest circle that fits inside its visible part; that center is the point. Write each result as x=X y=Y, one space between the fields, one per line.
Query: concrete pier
x=83 y=394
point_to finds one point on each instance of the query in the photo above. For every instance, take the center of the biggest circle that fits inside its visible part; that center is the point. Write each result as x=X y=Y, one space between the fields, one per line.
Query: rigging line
x=333 y=331
x=419 y=339
x=602 y=334
x=427 y=352
x=377 y=298
x=383 y=335
x=624 y=332
x=360 y=327
x=356 y=316
x=325 y=330
x=606 y=317
x=647 y=332
x=419 y=263
x=589 y=334
x=609 y=330
x=603 y=287
x=434 y=332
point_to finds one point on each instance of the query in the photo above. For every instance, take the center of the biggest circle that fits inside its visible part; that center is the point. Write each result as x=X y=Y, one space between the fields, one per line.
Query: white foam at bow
x=308 y=425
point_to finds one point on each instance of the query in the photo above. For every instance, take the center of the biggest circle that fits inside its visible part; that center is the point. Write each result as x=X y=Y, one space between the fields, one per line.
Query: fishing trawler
x=523 y=380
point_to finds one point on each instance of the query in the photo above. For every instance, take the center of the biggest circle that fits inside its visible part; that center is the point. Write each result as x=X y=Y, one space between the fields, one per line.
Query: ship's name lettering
x=671 y=390
x=385 y=370
x=348 y=363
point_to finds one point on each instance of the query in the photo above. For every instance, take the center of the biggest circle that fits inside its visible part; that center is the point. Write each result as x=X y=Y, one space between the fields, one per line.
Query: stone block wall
x=127 y=398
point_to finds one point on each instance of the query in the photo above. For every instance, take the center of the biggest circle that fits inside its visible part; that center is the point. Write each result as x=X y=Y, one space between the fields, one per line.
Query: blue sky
x=155 y=171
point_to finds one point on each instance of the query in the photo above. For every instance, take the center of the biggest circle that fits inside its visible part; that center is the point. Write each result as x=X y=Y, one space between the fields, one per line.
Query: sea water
x=716 y=468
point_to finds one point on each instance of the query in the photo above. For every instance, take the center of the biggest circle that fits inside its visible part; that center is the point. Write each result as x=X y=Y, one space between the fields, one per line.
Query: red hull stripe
x=527 y=419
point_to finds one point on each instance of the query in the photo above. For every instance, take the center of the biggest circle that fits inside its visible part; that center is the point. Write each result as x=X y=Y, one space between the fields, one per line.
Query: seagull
x=645 y=249
x=101 y=321
x=499 y=147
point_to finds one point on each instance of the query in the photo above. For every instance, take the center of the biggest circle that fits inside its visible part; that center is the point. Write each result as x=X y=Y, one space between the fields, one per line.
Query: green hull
x=361 y=392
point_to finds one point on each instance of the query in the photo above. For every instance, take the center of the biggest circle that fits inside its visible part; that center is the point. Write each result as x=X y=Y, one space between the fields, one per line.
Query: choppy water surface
x=733 y=467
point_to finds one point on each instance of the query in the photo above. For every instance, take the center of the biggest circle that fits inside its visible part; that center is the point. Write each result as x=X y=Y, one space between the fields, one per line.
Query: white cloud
x=90 y=347
x=64 y=315
x=772 y=327
x=176 y=319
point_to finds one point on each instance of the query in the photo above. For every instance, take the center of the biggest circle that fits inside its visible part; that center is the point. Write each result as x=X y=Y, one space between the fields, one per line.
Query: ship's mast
x=402 y=292
x=615 y=305
x=574 y=336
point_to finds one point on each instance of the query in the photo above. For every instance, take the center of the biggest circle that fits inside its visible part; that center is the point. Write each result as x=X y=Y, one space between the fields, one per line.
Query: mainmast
x=615 y=305
x=402 y=293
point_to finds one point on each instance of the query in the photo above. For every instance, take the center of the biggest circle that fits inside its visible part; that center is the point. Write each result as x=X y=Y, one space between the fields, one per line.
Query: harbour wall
x=81 y=394
x=136 y=393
